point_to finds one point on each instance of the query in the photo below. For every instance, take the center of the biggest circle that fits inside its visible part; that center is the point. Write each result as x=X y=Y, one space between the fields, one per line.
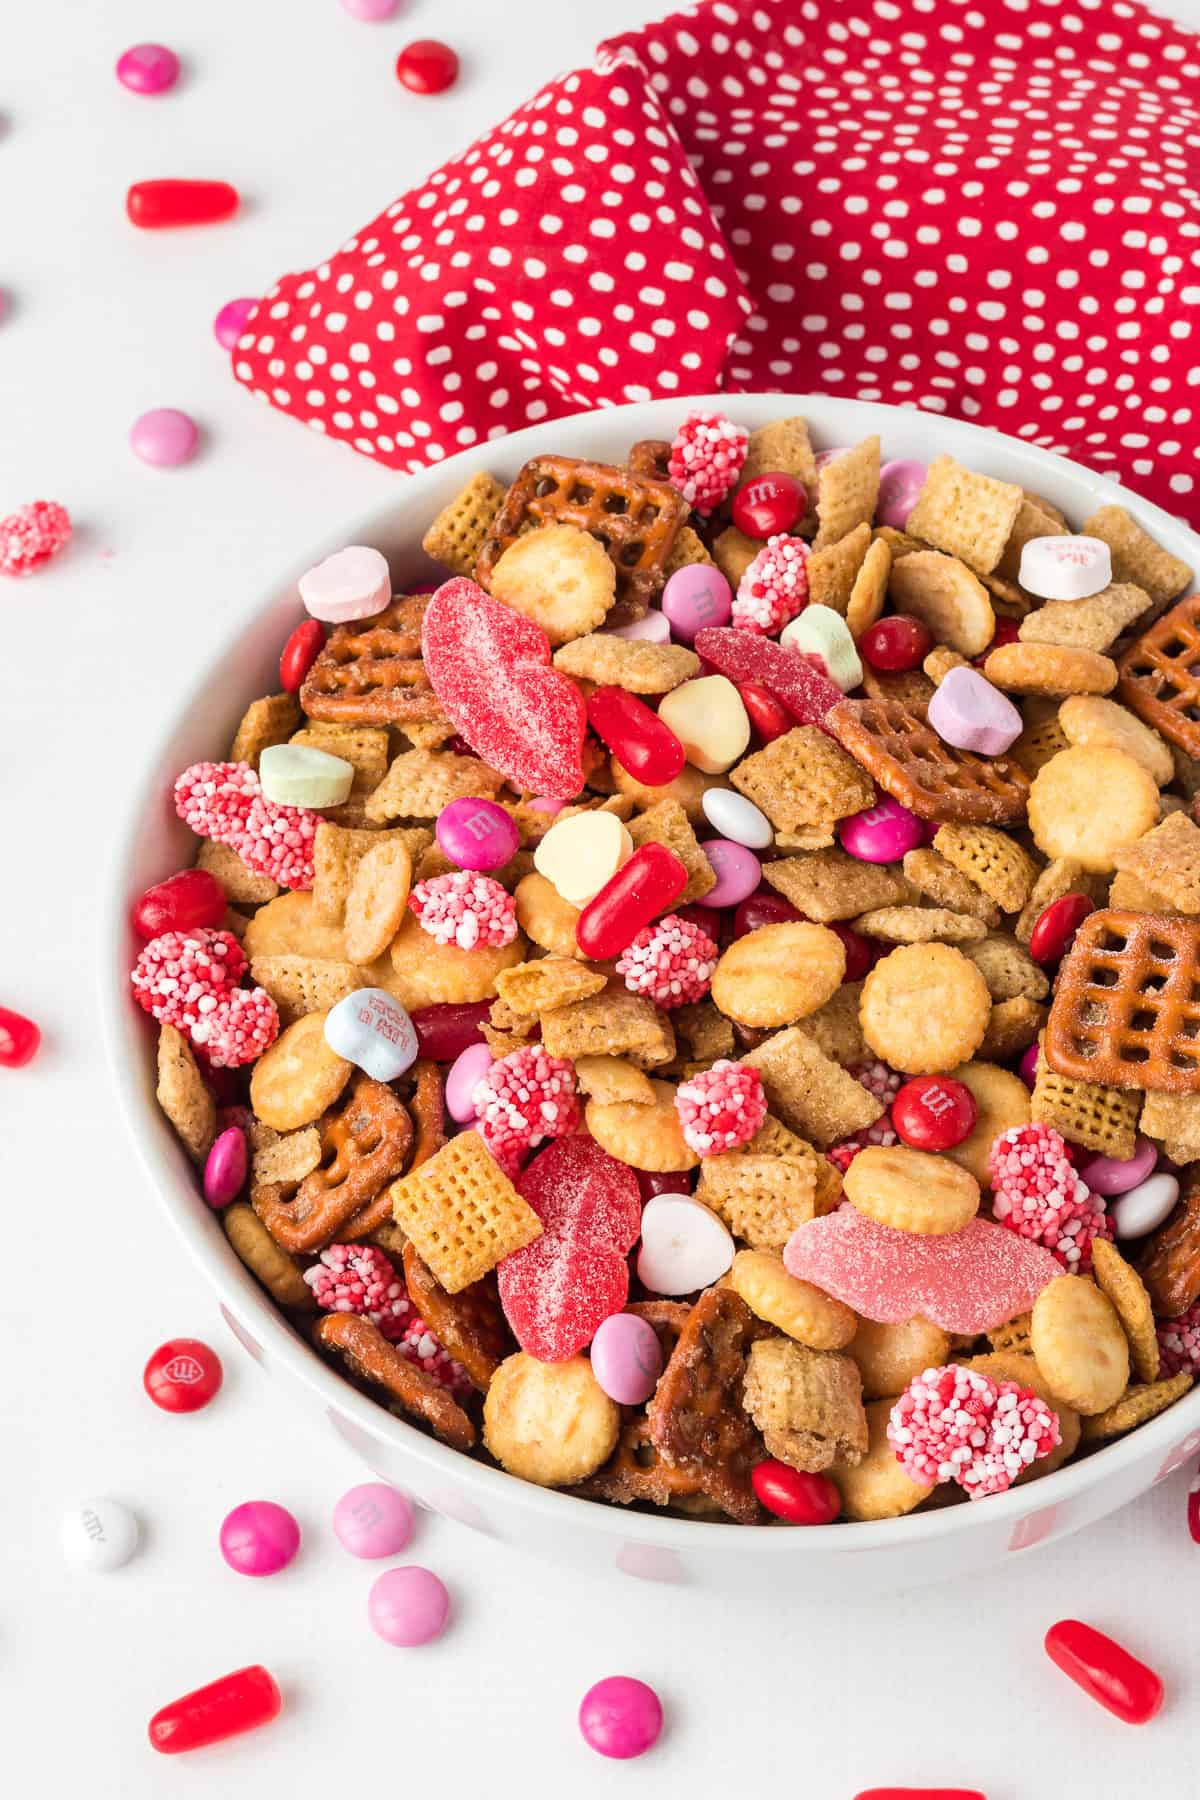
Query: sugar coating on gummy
x=774 y=588
x=491 y=671
x=793 y=678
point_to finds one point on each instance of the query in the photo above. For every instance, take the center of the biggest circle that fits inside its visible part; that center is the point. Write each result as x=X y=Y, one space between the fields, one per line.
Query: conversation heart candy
x=968 y=712
x=695 y=596
x=708 y=718
x=297 y=775
x=821 y=632
x=965 y=1281
x=351 y=584
x=557 y=1291
x=794 y=678
x=579 y=855
x=1065 y=568
x=490 y=669
x=900 y=484
x=685 y=1247
x=372 y=1030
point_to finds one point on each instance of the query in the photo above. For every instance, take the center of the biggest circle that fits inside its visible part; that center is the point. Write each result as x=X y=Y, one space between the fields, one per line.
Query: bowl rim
x=125 y=1041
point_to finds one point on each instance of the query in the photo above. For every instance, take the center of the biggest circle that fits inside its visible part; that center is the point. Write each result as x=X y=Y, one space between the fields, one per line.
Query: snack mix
x=700 y=1008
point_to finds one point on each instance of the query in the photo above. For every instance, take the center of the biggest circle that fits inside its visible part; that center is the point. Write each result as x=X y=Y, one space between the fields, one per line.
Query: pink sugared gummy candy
x=797 y=682
x=965 y=1281
x=883 y=833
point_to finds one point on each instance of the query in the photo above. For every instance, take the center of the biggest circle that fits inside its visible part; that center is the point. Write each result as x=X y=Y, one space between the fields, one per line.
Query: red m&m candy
x=444 y=1031
x=427 y=66
x=300 y=653
x=20 y=1039
x=792 y=1495
x=763 y=908
x=182 y=1375
x=1105 y=1670
x=933 y=1112
x=184 y=902
x=861 y=952
x=1055 y=928
x=768 y=504
x=896 y=643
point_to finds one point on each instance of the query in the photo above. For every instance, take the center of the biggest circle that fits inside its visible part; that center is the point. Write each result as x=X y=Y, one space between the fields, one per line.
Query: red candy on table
x=642 y=888
x=1105 y=1671
x=427 y=66
x=33 y=534
x=300 y=653
x=764 y=908
x=445 y=1031
x=636 y=735
x=923 y=1793
x=934 y=1113
x=223 y=1709
x=768 y=718
x=895 y=644
x=1055 y=928
x=184 y=902
x=769 y=504
x=796 y=680
x=20 y=1039
x=182 y=1375
x=155 y=204
x=792 y=1495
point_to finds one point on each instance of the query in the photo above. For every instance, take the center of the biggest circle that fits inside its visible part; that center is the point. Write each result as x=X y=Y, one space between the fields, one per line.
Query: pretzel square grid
x=896 y=744
x=1160 y=675
x=1126 y=1011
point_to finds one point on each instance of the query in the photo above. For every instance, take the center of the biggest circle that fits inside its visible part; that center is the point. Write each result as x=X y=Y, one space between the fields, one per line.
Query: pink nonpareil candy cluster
x=213 y=799
x=721 y=1107
x=418 y=1345
x=239 y=1029
x=954 y=1424
x=359 y=1278
x=466 y=909
x=706 y=458
x=225 y=802
x=885 y=1083
x=671 y=961
x=524 y=1099
x=1179 y=1342
x=774 y=588
x=181 y=976
x=1036 y=1192
x=33 y=534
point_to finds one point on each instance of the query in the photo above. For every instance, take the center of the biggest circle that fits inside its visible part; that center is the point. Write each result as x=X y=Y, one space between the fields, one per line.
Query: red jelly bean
x=182 y=1375
x=300 y=653
x=769 y=504
x=896 y=643
x=1106 y=1671
x=1055 y=929
x=641 y=889
x=934 y=1113
x=768 y=717
x=792 y=1495
x=861 y=952
x=20 y=1039
x=636 y=736
x=763 y=908
x=444 y=1032
x=155 y=204
x=427 y=66
x=184 y=902
x=225 y=1708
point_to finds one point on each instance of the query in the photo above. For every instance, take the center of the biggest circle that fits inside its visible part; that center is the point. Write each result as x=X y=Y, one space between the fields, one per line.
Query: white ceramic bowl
x=153 y=844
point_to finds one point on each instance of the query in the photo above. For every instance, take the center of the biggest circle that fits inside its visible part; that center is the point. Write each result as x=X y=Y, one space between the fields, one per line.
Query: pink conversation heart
x=968 y=712
x=353 y=583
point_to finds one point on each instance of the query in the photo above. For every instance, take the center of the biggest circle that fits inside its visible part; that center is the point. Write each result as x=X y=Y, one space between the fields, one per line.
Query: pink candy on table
x=1106 y=1175
x=626 y=1358
x=225 y=1168
x=164 y=204
x=259 y=1538
x=408 y=1607
x=164 y=437
x=477 y=834
x=31 y=535
x=883 y=833
x=351 y=584
x=737 y=869
x=231 y=321
x=147 y=69
x=900 y=483
x=369 y=10
x=968 y=712
x=241 y=1701
x=468 y=1070
x=621 y=1717
x=372 y=1520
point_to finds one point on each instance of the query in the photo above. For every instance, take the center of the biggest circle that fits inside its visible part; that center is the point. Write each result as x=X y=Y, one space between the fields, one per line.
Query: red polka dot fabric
x=986 y=208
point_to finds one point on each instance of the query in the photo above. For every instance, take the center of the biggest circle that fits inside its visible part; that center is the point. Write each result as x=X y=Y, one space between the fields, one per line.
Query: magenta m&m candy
x=967 y=711
x=767 y=505
x=737 y=869
x=900 y=485
x=696 y=596
x=883 y=833
x=626 y=1358
x=620 y=1717
x=408 y=1606
x=182 y=1375
x=148 y=69
x=20 y=1039
x=1108 y=1175
x=933 y=1112
x=225 y=1167
x=463 y=1078
x=164 y=437
x=427 y=66
x=231 y=321
x=159 y=205
x=223 y=1709
x=259 y=1538
x=369 y=11
x=372 y=1520
x=477 y=834
x=790 y=1494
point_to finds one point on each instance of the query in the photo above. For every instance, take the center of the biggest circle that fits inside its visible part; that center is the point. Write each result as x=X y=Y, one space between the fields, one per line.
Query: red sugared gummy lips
x=557 y=1291
x=490 y=669
x=794 y=678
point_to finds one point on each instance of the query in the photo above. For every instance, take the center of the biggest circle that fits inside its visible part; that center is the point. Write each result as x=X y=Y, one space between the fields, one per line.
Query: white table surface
x=297 y=103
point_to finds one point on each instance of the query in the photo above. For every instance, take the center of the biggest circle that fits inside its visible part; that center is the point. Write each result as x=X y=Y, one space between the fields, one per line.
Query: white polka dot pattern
x=987 y=208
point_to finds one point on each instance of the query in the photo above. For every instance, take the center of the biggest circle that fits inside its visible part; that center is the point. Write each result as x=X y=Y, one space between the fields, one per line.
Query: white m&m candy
x=819 y=631
x=351 y=584
x=296 y=775
x=737 y=818
x=373 y=1031
x=1065 y=568
x=99 y=1534
x=1143 y=1208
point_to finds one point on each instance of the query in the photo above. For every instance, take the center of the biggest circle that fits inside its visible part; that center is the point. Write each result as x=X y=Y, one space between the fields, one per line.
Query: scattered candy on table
x=477 y=834
x=20 y=1039
x=232 y=320
x=148 y=69
x=99 y=1534
x=371 y=1029
x=408 y=1607
x=225 y=1167
x=351 y=584
x=1065 y=568
x=164 y=437
x=694 y=596
x=259 y=1538
x=1105 y=1671
x=967 y=711
x=223 y=1709
x=706 y=458
x=684 y=1248
x=427 y=66
x=33 y=534
x=301 y=775
x=621 y=1717
x=373 y=1520
x=369 y=10
x=182 y=1375
x=155 y=205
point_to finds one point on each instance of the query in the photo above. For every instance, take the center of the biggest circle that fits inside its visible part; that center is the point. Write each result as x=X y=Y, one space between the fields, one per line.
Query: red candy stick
x=768 y=504
x=155 y=204
x=641 y=889
x=182 y=1375
x=763 y=908
x=636 y=736
x=896 y=643
x=444 y=1032
x=236 y=1703
x=300 y=653
x=934 y=1113
x=184 y=902
x=767 y=716
x=894 y=1793
x=1099 y=1665
x=20 y=1039
x=800 y=1499
x=796 y=680
x=1055 y=929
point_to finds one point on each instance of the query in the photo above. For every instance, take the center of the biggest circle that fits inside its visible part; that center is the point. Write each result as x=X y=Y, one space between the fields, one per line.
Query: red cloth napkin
x=980 y=207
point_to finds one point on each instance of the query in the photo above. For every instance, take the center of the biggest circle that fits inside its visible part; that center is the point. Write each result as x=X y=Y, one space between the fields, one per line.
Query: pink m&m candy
x=654 y=628
x=259 y=1538
x=225 y=1168
x=148 y=69
x=164 y=437
x=695 y=597
x=883 y=833
x=464 y=1077
x=621 y=1717
x=373 y=1520
x=477 y=834
x=351 y=584
x=968 y=712
x=737 y=869
x=408 y=1606
x=899 y=485
x=1106 y=1175
x=230 y=322
x=1027 y=1067
x=626 y=1358
x=369 y=10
